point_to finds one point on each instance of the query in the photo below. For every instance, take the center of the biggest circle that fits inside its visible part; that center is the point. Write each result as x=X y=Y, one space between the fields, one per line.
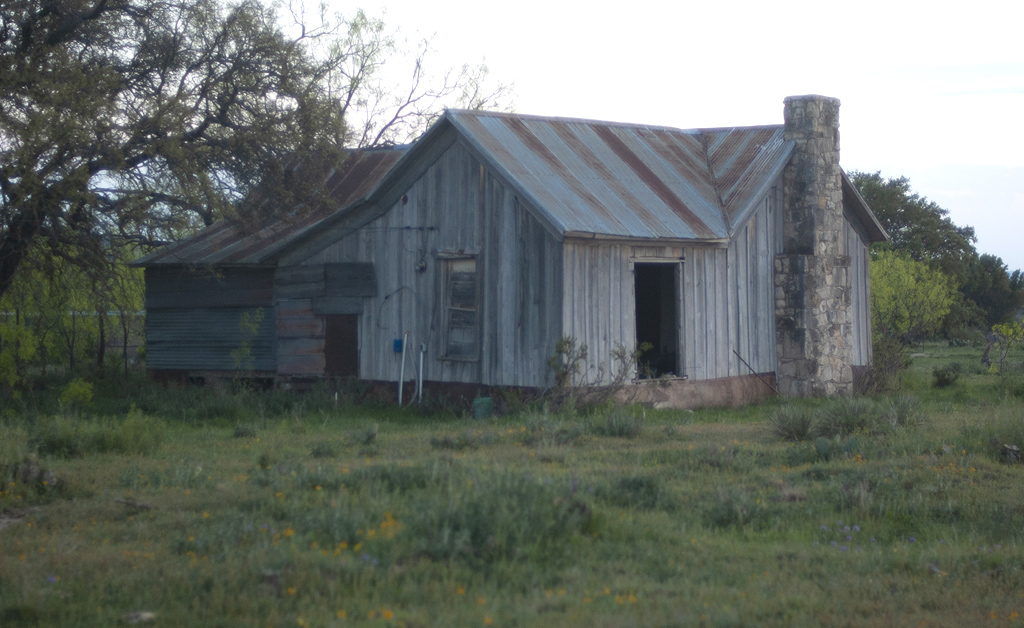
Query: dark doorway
x=657 y=318
x=341 y=346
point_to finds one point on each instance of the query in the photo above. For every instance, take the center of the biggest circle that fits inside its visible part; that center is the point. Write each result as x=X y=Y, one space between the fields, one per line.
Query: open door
x=656 y=291
x=341 y=345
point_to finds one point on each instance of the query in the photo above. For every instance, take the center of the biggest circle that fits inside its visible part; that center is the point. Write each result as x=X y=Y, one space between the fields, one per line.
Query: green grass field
x=197 y=508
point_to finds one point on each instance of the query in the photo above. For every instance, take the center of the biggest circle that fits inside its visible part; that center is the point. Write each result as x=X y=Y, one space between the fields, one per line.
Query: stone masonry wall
x=812 y=278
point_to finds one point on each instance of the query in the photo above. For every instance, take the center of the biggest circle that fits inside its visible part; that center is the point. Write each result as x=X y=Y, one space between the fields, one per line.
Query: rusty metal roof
x=628 y=180
x=583 y=178
x=229 y=242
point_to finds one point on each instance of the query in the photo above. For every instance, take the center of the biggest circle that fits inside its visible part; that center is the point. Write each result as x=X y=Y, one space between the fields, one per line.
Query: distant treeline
x=986 y=293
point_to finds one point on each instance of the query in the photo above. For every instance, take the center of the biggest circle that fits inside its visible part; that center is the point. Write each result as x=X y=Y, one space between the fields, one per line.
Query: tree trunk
x=102 y=348
x=15 y=243
x=124 y=344
x=71 y=347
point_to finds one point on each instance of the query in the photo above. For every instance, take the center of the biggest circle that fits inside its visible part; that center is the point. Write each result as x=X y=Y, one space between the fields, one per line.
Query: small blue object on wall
x=398 y=345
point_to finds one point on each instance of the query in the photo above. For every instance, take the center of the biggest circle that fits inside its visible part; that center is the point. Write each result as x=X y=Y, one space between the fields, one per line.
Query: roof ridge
x=610 y=123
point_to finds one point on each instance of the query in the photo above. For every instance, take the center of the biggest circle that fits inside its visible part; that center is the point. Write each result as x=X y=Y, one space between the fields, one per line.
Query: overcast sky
x=933 y=91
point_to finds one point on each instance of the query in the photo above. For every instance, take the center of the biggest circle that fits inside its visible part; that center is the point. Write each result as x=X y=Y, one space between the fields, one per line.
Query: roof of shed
x=630 y=180
x=228 y=242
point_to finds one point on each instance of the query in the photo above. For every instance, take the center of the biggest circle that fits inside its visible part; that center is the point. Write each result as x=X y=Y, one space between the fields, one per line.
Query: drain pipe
x=401 y=371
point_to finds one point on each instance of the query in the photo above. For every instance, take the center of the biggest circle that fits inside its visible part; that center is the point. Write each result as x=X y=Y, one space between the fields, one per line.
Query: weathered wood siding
x=210 y=320
x=457 y=208
x=860 y=302
x=599 y=310
x=727 y=300
x=303 y=296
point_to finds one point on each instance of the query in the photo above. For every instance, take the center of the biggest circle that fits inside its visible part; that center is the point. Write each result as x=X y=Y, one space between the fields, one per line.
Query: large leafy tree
x=917 y=227
x=999 y=293
x=908 y=298
x=115 y=115
x=921 y=230
x=136 y=121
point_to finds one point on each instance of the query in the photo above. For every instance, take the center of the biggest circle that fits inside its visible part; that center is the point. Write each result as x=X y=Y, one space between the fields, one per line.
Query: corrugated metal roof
x=633 y=181
x=230 y=242
x=584 y=177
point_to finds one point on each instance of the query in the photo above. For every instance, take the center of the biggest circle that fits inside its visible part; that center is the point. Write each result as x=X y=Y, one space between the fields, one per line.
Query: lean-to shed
x=218 y=305
x=738 y=254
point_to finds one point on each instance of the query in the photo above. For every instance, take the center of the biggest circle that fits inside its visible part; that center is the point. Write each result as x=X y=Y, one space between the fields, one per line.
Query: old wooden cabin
x=738 y=254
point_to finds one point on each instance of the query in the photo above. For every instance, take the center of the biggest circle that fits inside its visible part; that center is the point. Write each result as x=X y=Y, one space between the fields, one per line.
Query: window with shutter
x=460 y=309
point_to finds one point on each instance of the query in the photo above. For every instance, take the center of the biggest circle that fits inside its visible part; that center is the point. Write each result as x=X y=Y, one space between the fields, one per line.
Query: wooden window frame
x=448 y=263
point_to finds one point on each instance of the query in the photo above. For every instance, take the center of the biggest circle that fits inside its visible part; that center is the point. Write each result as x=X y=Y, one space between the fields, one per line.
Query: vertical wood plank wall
x=457 y=206
x=599 y=304
x=860 y=301
x=727 y=300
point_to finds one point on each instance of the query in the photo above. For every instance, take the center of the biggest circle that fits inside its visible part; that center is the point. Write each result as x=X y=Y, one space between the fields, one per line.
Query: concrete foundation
x=722 y=392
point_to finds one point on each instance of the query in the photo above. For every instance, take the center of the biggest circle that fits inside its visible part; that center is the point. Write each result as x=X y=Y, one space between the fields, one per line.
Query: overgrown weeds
x=70 y=437
x=556 y=520
x=619 y=421
x=843 y=417
x=791 y=423
x=946 y=376
x=552 y=431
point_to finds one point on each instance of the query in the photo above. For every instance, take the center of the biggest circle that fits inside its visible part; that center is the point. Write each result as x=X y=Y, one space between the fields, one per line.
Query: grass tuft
x=619 y=422
x=846 y=415
x=791 y=423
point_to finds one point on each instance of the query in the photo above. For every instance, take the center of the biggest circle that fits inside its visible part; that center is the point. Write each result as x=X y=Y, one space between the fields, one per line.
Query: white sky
x=933 y=91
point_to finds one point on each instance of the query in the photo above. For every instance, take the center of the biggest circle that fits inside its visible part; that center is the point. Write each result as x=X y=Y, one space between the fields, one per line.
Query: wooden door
x=341 y=346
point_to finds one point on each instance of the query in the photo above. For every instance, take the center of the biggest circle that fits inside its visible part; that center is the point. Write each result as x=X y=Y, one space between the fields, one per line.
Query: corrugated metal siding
x=204 y=339
x=630 y=180
x=181 y=288
x=457 y=206
x=194 y=320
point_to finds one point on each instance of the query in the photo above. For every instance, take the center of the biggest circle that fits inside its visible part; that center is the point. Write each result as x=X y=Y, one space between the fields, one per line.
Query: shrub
x=889 y=358
x=77 y=393
x=643 y=492
x=845 y=416
x=902 y=411
x=1010 y=386
x=455 y=442
x=619 y=422
x=545 y=431
x=69 y=438
x=244 y=430
x=13 y=443
x=323 y=449
x=946 y=376
x=139 y=433
x=737 y=508
x=363 y=437
x=791 y=423
x=498 y=517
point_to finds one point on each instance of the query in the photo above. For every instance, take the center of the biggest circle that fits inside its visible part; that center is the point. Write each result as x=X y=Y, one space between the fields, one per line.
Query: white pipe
x=419 y=374
x=401 y=372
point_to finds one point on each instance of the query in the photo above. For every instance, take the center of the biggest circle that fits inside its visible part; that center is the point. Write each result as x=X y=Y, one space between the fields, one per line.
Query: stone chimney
x=812 y=279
